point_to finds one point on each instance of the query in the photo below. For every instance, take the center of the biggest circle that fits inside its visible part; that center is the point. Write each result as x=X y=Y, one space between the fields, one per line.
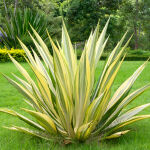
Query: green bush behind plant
x=18 y=54
x=138 y=54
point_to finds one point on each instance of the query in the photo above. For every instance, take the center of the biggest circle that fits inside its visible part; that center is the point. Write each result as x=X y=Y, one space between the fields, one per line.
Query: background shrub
x=18 y=54
x=18 y=25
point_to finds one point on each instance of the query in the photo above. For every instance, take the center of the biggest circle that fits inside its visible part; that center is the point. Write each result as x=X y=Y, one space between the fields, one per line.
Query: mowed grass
x=137 y=139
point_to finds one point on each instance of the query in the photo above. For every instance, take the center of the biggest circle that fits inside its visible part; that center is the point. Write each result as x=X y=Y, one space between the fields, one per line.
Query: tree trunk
x=136 y=37
x=5 y=6
x=136 y=27
x=16 y=2
x=6 y=10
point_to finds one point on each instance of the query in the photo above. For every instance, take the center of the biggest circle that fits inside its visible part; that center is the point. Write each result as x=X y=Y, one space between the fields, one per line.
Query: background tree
x=82 y=15
x=134 y=16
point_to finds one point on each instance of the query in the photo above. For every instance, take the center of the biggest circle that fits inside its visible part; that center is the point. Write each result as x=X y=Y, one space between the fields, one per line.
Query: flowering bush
x=18 y=54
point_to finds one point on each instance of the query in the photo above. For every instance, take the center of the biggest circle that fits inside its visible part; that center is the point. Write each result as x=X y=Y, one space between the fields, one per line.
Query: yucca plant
x=17 y=25
x=68 y=104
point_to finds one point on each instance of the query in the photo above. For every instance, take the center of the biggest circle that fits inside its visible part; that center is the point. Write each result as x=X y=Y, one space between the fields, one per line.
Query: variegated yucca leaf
x=67 y=103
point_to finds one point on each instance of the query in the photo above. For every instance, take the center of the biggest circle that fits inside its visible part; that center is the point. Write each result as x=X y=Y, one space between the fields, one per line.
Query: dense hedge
x=128 y=57
x=132 y=55
x=18 y=54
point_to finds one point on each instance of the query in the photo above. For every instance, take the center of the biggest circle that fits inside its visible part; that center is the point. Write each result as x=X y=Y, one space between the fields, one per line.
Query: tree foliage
x=82 y=15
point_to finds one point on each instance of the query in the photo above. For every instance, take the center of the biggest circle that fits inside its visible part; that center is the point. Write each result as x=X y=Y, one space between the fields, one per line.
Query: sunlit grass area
x=137 y=139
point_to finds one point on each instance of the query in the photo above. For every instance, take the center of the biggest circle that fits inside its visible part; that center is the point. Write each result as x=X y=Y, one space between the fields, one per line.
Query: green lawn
x=137 y=139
